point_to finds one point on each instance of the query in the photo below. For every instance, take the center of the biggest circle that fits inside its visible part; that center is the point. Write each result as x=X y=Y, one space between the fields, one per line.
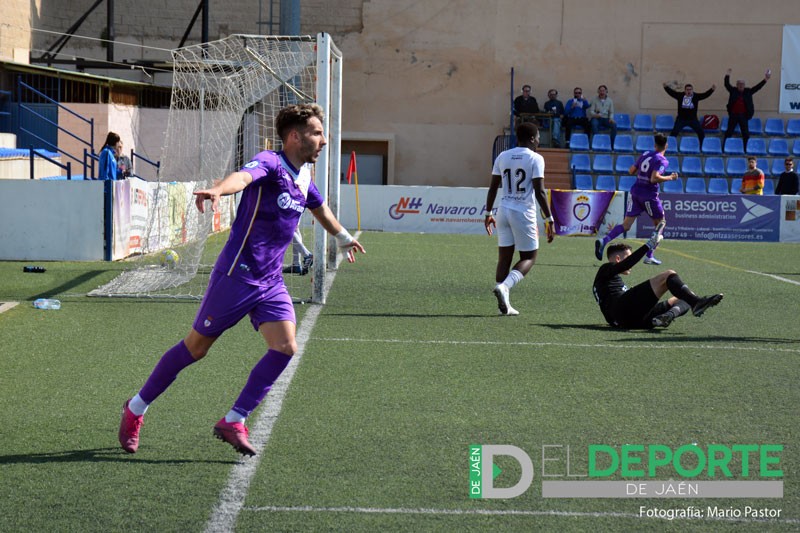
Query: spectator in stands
x=107 y=169
x=687 y=109
x=789 y=181
x=753 y=179
x=555 y=108
x=575 y=113
x=601 y=112
x=740 y=105
x=124 y=165
x=525 y=106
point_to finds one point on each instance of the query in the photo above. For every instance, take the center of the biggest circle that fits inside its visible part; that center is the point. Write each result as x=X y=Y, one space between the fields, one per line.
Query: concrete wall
x=435 y=75
x=15 y=29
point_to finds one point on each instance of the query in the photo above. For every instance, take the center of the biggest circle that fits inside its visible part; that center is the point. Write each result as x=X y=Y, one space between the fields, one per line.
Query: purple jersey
x=647 y=163
x=268 y=213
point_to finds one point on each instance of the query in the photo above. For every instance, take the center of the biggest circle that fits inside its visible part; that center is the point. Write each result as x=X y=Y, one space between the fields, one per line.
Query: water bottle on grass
x=46 y=303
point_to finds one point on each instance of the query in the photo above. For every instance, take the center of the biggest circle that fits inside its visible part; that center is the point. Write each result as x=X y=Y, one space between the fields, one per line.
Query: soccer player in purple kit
x=643 y=196
x=246 y=279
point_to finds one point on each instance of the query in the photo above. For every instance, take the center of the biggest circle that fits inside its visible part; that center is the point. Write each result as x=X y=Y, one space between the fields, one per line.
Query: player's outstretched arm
x=232 y=184
x=344 y=240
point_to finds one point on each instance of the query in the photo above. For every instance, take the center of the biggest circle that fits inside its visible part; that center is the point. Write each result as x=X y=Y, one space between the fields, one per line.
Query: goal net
x=225 y=97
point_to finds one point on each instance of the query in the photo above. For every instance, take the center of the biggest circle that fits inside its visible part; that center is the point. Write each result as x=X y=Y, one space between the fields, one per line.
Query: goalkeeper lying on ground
x=639 y=307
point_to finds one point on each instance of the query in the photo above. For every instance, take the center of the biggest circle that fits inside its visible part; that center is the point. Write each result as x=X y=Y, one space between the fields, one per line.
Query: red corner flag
x=351 y=168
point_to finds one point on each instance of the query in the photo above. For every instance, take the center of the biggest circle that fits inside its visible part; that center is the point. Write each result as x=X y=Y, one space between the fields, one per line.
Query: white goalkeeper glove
x=654 y=241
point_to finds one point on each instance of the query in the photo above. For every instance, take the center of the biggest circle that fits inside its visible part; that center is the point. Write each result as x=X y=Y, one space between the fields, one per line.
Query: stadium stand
x=645 y=142
x=755 y=126
x=714 y=166
x=717 y=186
x=583 y=182
x=736 y=184
x=695 y=185
x=603 y=164
x=793 y=127
x=777 y=166
x=606 y=182
x=664 y=123
x=626 y=182
x=796 y=148
x=736 y=166
x=623 y=143
x=712 y=146
x=692 y=166
x=778 y=147
x=763 y=164
x=581 y=163
x=601 y=142
x=690 y=145
x=769 y=186
x=773 y=127
x=674 y=186
x=756 y=146
x=733 y=146
x=643 y=122
x=672 y=145
x=674 y=164
x=623 y=121
x=579 y=142
x=624 y=163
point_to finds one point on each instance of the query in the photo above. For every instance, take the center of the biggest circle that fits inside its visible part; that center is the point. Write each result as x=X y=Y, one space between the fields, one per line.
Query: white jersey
x=518 y=167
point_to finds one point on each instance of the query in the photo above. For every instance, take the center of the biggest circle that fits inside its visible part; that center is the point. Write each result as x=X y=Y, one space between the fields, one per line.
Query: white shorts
x=518 y=229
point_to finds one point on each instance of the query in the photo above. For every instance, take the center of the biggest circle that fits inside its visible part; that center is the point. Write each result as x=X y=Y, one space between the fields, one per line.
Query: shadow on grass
x=413 y=315
x=71 y=284
x=91 y=456
x=671 y=334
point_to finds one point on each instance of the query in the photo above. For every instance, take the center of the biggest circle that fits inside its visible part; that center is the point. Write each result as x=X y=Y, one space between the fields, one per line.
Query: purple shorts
x=227 y=301
x=638 y=205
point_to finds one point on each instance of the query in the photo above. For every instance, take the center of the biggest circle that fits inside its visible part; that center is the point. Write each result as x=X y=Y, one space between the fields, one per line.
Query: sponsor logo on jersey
x=285 y=201
x=251 y=164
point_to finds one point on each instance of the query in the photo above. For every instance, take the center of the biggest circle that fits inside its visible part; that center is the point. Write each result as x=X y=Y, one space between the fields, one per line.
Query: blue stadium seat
x=692 y=166
x=773 y=127
x=714 y=166
x=736 y=184
x=712 y=145
x=580 y=163
x=717 y=186
x=796 y=148
x=674 y=164
x=623 y=163
x=793 y=127
x=673 y=186
x=643 y=122
x=606 y=182
x=690 y=145
x=777 y=166
x=664 y=123
x=763 y=164
x=623 y=143
x=755 y=127
x=579 y=142
x=734 y=146
x=645 y=142
x=626 y=182
x=756 y=146
x=583 y=182
x=672 y=145
x=723 y=124
x=736 y=166
x=696 y=185
x=778 y=147
x=769 y=186
x=603 y=164
x=623 y=121
x=601 y=142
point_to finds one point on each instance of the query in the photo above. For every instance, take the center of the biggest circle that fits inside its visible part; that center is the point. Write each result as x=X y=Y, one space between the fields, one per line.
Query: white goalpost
x=225 y=97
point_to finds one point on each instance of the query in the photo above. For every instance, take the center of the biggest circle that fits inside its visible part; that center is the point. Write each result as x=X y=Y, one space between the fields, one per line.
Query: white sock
x=232 y=417
x=514 y=277
x=138 y=406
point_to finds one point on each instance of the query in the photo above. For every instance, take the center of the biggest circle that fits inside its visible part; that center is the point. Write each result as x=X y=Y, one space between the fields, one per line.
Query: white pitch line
x=493 y=512
x=773 y=276
x=231 y=499
x=564 y=344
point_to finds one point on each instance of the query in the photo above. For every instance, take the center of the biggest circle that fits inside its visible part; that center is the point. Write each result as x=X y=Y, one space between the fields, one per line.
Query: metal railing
x=34 y=152
x=135 y=156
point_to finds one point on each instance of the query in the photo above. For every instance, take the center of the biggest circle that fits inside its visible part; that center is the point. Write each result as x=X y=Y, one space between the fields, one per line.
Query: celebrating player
x=639 y=307
x=520 y=171
x=643 y=196
x=246 y=279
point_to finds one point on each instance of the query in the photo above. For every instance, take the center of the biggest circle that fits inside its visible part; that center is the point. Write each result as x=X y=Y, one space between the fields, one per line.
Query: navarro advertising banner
x=579 y=212
x=718 y=218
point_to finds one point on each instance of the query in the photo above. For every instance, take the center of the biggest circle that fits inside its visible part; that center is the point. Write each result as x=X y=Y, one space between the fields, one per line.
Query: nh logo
x=405 y=206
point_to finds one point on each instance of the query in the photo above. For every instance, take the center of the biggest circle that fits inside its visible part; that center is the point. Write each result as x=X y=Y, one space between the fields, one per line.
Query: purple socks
x=173 y=361
x=260 y=381
x=615 y=232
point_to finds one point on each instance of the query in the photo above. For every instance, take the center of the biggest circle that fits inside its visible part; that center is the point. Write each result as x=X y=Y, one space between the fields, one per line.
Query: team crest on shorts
x=207 y=322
